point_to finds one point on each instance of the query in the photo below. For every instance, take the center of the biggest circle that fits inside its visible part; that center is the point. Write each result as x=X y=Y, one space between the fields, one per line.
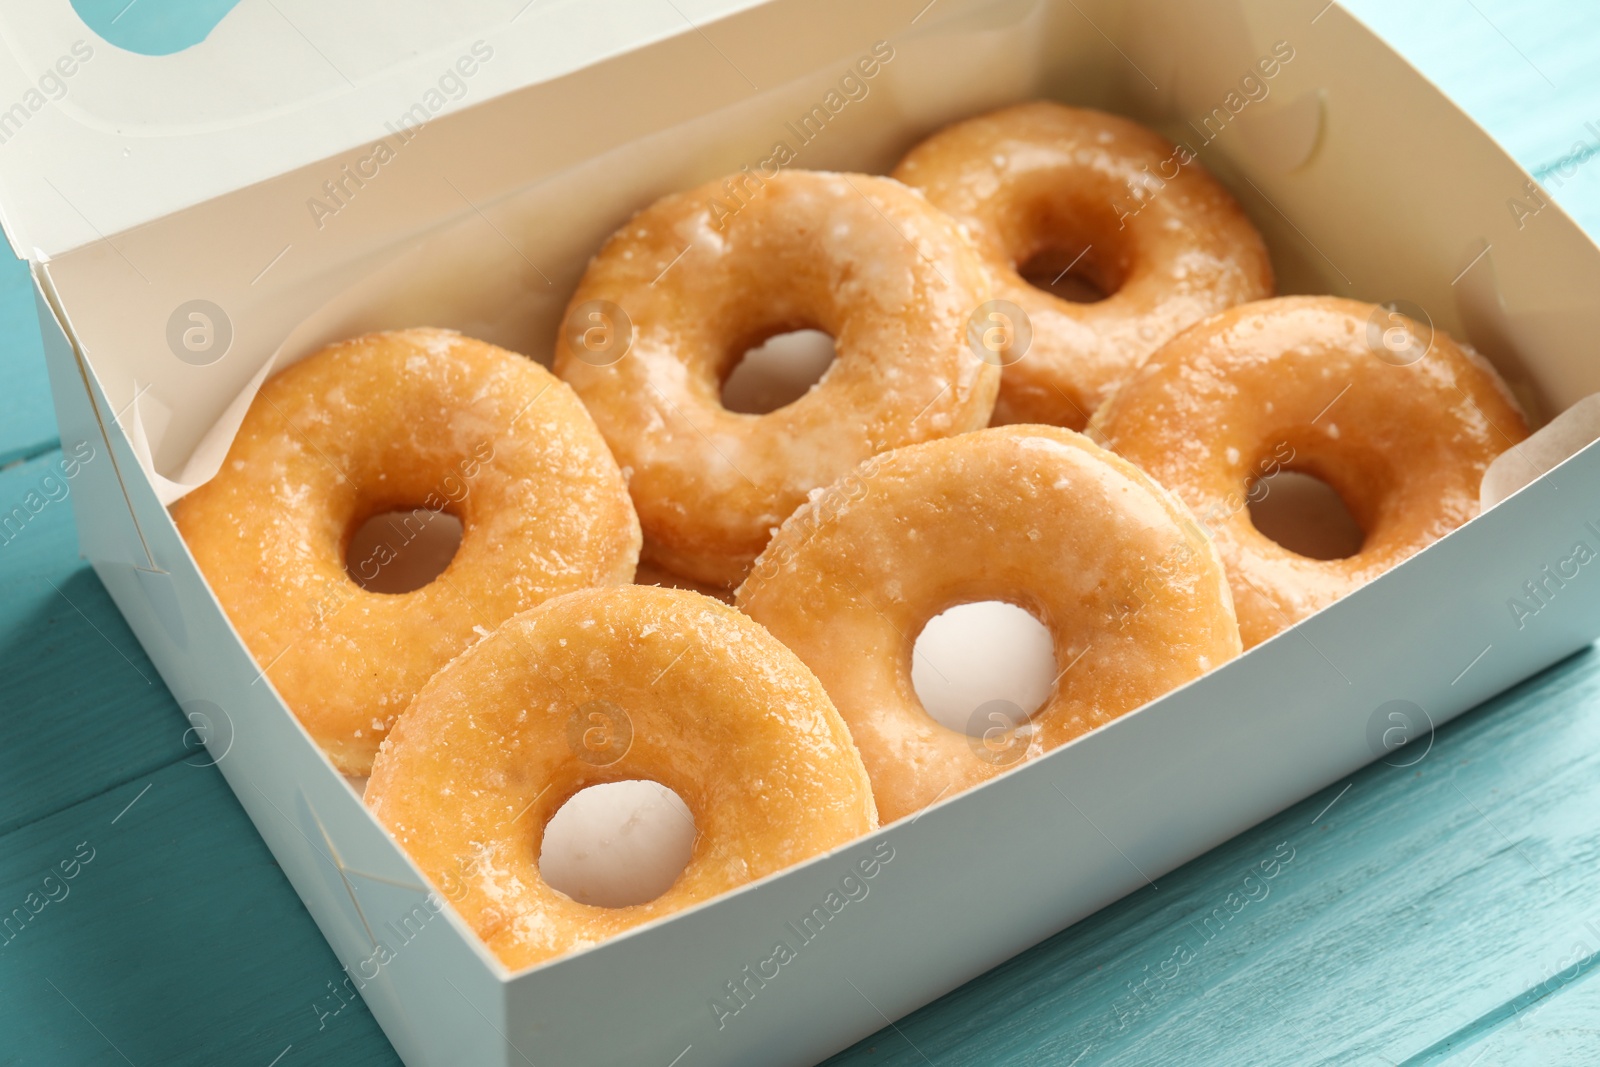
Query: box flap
x=114 y=113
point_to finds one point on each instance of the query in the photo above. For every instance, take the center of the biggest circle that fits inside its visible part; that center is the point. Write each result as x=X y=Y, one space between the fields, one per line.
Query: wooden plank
x=1560 y=1024
x=27 y=419
x=82 y=708
x=176 y=940
x=1389 y=916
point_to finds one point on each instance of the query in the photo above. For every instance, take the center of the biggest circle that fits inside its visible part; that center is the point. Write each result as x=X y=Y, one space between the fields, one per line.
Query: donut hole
x=617 y=844
x=1305 y=515
x=1070 y=272
x=400 y=551
x=778 y=371
x=977 y=657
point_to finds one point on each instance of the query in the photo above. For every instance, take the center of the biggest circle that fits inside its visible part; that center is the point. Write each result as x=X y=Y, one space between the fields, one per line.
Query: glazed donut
x=1043 y=182
x=423 y=419
x=650 y=574
x=608 y=685
x=863 y=259
x=1314 y=384
x=1131 y=591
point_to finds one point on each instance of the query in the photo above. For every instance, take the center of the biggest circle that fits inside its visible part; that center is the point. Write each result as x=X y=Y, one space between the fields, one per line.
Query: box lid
x=117 y=112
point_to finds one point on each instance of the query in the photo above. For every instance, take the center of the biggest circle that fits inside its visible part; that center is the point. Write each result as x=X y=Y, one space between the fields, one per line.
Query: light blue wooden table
x=1447 y=912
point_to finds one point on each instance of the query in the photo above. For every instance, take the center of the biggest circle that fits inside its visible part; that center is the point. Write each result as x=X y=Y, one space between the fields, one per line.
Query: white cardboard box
x=157 y=181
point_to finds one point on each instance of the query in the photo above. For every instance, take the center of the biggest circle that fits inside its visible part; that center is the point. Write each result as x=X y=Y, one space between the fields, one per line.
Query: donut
x=650 y=574
x=423 y=419
x=1041 y=185
x=607 y=685
x=1396 y=417
x=1113 y=566
x=673 y=300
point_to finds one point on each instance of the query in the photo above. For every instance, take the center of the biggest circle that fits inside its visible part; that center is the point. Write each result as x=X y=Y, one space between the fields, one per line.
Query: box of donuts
x=693 y=530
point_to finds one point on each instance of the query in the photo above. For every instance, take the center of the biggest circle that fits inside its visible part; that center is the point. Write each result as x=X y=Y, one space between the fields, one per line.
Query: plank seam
x=28 y=453
x=95 y=796
x=1490 y=1021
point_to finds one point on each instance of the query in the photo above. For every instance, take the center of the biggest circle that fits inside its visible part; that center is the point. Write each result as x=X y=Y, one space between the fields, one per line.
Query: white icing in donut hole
x=402 y=551
x=1304 y=514
x=617 y=844
x=979 y=657
x=777 y=372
